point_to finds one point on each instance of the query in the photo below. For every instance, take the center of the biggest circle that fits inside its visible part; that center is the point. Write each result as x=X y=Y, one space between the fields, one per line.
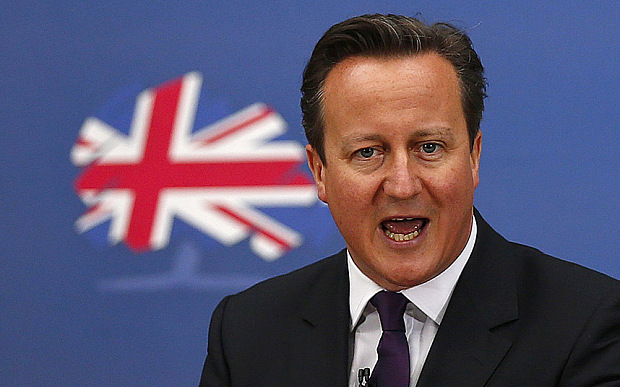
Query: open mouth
x=403 y=229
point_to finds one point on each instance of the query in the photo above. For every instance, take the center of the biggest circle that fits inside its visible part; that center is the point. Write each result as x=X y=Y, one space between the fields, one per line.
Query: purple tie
x=392 y=368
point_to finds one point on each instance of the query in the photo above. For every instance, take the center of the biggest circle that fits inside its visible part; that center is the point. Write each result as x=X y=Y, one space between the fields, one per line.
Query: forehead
x=419 y=72
x=415 y=92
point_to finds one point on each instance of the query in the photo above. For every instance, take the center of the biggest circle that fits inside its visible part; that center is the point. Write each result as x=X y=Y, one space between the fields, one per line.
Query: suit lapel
x=472 y=339
x=324 y=332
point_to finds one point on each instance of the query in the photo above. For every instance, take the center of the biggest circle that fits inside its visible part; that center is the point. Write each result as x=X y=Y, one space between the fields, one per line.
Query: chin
x=399 y=280
x=407 y=276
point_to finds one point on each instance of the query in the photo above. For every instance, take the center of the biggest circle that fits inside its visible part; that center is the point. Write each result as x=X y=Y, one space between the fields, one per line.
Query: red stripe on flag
x=242 y=174
x=254 y=227
x=210 y=140
x=155 y=157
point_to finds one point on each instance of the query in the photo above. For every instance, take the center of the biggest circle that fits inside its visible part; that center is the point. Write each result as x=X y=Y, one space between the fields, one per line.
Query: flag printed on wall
x=136 y=184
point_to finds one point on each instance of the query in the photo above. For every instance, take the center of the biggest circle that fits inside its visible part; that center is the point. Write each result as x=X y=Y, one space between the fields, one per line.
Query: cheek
x=342 y=193
x=349 y=194
x=453 y=187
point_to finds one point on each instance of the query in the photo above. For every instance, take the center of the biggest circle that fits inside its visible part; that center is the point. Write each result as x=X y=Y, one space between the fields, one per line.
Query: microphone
x=362 y=376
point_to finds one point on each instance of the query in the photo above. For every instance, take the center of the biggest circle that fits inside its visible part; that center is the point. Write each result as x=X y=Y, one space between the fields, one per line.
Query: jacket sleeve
x=595 y=358
x=215 y=372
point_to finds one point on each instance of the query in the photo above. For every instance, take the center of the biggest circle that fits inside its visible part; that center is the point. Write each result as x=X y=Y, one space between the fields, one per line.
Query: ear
x=318 y=171
x=475 y=158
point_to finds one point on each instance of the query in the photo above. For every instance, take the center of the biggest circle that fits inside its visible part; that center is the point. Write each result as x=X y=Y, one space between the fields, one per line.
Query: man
x=426 y=293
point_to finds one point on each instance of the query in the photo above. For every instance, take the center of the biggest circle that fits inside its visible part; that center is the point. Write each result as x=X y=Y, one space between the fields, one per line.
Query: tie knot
x=391 y=307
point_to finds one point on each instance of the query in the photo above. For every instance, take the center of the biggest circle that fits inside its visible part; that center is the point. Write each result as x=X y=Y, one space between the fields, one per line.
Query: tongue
x=403 y=226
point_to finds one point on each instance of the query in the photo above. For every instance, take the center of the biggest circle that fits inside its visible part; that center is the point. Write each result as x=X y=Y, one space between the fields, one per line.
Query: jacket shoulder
x=536 y=271
x=294 y=286
x=543 y=268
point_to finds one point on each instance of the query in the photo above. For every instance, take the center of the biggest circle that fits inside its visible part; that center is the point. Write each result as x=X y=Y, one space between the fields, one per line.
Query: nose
x=401 y=180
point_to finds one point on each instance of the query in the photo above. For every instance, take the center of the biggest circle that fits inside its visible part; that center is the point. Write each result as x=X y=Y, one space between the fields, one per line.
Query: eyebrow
x=441 y=131
x=355 y=138
x=416 y=134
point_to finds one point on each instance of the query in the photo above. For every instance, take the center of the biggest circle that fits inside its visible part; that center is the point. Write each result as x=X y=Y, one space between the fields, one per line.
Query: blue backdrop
x=76 y=311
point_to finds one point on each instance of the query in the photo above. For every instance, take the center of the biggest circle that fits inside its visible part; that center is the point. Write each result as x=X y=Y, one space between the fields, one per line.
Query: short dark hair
x=390 y=36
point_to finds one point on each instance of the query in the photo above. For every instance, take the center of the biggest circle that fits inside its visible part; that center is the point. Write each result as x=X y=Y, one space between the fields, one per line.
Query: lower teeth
x=402 y=237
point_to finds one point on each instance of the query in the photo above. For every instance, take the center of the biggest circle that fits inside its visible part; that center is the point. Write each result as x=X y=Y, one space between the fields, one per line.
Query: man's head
x=396 y=158
x=390 y=36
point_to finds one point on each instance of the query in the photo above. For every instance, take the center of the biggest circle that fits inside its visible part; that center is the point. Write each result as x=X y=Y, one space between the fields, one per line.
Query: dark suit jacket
x=517 y=317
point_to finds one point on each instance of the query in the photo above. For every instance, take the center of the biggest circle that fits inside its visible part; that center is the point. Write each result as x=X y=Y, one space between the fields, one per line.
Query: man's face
x=399 y=177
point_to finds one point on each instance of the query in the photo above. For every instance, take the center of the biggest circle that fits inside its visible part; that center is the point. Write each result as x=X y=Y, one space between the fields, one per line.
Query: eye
x=366 y=152
x=430 y=147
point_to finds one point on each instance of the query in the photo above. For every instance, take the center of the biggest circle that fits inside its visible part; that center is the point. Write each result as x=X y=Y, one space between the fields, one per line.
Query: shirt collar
x=431 y=297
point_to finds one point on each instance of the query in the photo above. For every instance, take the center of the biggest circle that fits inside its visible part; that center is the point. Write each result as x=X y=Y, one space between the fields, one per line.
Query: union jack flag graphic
x=212 y=178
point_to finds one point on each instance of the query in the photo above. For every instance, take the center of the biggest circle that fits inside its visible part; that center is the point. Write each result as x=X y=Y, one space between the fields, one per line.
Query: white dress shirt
x=422 y=316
